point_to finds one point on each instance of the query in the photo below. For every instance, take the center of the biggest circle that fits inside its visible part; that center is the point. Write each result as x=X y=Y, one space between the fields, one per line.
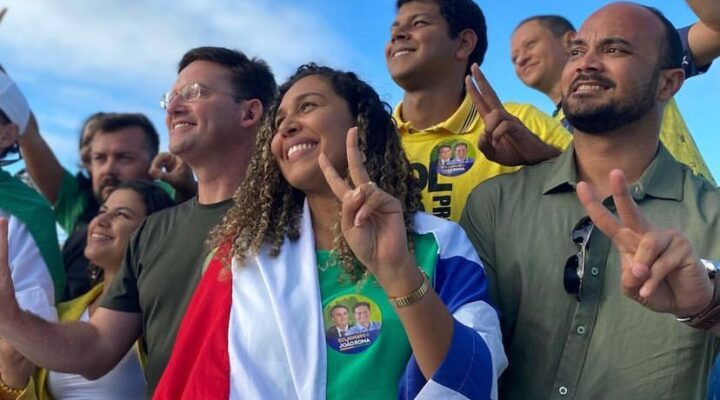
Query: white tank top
x=124 y=382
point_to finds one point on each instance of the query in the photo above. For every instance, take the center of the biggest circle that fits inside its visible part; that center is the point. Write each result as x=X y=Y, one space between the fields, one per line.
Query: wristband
x=710 y=316
x=414 y=296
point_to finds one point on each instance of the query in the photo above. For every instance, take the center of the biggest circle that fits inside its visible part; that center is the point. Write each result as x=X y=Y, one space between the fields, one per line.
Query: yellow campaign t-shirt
x=447 y=161
x=675 y=135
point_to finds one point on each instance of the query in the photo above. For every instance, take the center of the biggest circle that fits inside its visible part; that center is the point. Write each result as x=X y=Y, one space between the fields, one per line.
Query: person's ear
x=669 y=83
x=252 y=113
x=567 y=39
x=465 y=44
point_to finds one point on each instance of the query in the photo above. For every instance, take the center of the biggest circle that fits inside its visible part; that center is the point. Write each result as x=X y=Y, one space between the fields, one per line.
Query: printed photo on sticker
x=353 y=322
x=452 y=157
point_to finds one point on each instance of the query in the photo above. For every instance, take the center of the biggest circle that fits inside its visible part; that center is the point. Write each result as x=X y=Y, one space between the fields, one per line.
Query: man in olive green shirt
x=569 y=331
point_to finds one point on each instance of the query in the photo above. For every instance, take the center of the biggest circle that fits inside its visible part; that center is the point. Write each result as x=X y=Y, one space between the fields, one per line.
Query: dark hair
x=251 y=77
x=556 y=24
x=154 y=197
x=461 y=144
x=445 y=146
x=336 y=306
x=113 y=122
x=671 y=49
x=268 y=211
x=13 y=148
x=360 y=304
x=461 y=15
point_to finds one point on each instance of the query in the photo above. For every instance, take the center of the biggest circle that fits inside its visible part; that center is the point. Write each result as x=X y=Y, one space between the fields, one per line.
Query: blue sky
x=76 y=57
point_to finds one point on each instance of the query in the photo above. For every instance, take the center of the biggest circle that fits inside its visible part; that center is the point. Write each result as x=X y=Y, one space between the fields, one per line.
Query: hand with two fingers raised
x=659 y=267
x=507 y=140
x=372 y=220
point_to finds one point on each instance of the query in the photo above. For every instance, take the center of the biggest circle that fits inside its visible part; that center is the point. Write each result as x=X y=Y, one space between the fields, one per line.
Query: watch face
x=710 y=266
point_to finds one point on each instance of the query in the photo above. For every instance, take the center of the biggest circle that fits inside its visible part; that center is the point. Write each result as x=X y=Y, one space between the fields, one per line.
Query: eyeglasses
x=190 y=92
x=575 y=265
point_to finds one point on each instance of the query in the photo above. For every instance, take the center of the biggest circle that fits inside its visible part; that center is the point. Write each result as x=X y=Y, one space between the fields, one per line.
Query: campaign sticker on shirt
x=452 y=157
x=352 y=323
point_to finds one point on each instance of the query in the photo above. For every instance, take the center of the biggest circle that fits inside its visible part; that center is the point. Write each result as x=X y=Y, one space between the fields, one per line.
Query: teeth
x=181 y=125
x=99 y=236
x=300 y=147
x=588 y=86
x=401 y=52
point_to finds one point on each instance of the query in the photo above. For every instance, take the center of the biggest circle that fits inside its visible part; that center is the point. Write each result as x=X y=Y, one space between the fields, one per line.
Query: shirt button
x=562 y=390
x=580 y=330
x=595 y=271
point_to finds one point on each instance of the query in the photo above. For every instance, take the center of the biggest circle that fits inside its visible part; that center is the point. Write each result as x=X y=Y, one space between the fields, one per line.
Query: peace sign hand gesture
x=372 y=220
x=659 y=267
x=506 y=140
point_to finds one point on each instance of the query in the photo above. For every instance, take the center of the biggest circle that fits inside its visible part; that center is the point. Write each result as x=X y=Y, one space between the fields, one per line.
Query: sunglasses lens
x=571 y=280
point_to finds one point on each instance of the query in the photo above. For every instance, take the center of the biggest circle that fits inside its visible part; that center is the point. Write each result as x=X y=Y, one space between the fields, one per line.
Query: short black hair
x=336 y=306
x=556 y=24
x=113 y=122
x=461 y=15
x=671 y=48
x=251 y=77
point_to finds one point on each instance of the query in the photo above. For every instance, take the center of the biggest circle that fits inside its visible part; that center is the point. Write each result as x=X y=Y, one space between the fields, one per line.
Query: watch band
x=710 y=316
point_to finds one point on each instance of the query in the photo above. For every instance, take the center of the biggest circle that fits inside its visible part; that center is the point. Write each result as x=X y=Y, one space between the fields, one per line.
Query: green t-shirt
x=161 y=269
x=33 y=210
x=366 y=364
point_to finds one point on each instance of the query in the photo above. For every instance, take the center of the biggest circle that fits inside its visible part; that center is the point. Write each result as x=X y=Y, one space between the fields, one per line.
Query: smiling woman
x=108 y=234
x=326 y=271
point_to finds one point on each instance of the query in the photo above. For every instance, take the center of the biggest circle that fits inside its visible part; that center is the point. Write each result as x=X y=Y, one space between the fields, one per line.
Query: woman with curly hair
x=327 y=281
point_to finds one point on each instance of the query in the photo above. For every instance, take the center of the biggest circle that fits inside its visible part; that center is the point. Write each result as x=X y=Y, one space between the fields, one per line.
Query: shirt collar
x=663 y=178
x=462 y=121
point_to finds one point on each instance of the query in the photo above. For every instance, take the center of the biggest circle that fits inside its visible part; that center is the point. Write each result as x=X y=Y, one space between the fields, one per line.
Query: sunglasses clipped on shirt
x=575 y=265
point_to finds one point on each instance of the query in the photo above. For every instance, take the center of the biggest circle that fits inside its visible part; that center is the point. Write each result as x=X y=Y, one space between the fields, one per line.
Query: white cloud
x=129 y=40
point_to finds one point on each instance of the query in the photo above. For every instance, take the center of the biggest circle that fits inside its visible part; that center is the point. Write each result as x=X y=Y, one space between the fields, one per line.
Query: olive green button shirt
x=605 y=346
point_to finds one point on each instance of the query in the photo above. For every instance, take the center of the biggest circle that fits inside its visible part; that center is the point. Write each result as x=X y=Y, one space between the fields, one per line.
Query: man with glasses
x=213 y=111
x=569 y=331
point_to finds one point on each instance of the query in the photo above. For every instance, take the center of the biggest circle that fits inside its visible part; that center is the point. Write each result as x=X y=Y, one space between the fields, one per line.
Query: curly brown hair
x=267 y=209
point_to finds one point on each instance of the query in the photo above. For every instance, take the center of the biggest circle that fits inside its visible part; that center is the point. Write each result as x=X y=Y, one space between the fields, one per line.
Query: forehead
x=529 y=31
x=211 y=74
x=130 y=139
x=313 y=84
x=339 y=310
x=125 y=198
x=631 y=23
x=413 y=8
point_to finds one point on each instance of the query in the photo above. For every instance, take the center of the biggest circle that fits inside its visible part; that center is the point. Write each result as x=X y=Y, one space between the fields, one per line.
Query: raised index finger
x=358 y=172
x=488 y=94
x=627 y=209
x=601 y=216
